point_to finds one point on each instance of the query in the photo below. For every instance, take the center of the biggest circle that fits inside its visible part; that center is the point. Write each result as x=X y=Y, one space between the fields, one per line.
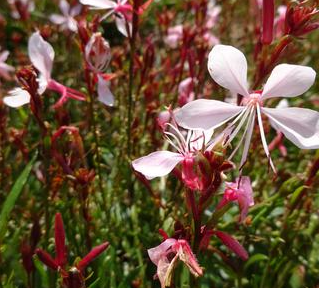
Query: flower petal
x=104 y=93
x=57 y=19
x=99 y=4
x=17 y=97
x=288 y=81
x=41 y=54
x=157 y=164
x=121 y=25
x=64 y=7
x=299 y=125
x=228 y=67
x=161 y=250
x=206 y=114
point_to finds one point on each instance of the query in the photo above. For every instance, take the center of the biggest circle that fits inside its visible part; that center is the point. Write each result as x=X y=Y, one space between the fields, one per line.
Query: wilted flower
x=98 y=57
x=166 y=256
x=241 y=192
x=5 y=68
x=66 y=20
x=41 y=55
x=228 y=67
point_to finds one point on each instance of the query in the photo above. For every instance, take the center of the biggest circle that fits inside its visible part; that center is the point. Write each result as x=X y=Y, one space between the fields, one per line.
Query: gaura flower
x=174 y=36
x=161 y=163
x=66 y=20
x=186 y=91
x=121 y=9
x=228 y=67
x=5 y=69
x=21 y=9
x=166 y=256
x=41 y=55
x=241 y=192
x=74 y=274
x=98 y=57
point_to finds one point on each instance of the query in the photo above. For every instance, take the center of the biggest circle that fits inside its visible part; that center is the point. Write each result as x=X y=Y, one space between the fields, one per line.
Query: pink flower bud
x=98 y=53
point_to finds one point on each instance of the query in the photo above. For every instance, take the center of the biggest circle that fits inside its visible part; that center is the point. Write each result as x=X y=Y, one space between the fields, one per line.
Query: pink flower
x=21 y=9
x=228 y=67
x=98 y=57
x=280 y=21
x=66 y=20
x=161 y=163
x=41 y=55
x=5 y=68
x=166 y=256
x=212 y=14
x=121 y=10
x=174 y=36
x=241 y=192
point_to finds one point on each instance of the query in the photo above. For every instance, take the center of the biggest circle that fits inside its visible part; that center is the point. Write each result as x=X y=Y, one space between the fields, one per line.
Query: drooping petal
x=206 y=114
x=104 y=93
x=288 y=81
x=165 y=271
x=228 y=67
x=99 y=4
x=186 y=255
x=232 y=244
x=299 y=125
x=121 y=25
x=157 y=164
x=17 y=97
x=41 y=54
x=245 y=196
x=161 y=250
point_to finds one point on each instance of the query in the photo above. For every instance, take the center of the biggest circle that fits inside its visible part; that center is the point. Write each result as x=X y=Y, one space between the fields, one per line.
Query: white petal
x=228 y=67
x=121 y=25
x=157 y=164
x=99 y=4
x=41 y=54
x=299 y=125
x=288 y=81
x=17 y=97
x=64 y=7
x=4 y=56
x=206 y=114
x=104 y=93
x=57 y=19
x=76 y=10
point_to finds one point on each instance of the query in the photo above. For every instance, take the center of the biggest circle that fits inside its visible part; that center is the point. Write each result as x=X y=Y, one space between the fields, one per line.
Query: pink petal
x=17 y=97
x=4 y=56
x=161 y=250
x=299 y=125
x=165 y=271
x=288 y=81
x=228 y=67
x=206 y=114
x=245 y=197
x=157 y=164
x=76 y=10
x=232 y=244
x=99 y=4
x=41 y=54
x=104 y=93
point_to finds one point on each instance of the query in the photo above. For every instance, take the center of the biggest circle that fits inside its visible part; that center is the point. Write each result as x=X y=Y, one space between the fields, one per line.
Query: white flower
x=228 y=67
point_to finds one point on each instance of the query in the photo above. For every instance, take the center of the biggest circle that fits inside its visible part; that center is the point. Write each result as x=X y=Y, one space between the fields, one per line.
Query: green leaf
x=255 y=258
x=13 y=196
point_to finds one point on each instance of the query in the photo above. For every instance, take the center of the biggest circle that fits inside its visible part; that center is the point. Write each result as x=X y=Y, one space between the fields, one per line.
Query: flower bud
x=97 y=53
